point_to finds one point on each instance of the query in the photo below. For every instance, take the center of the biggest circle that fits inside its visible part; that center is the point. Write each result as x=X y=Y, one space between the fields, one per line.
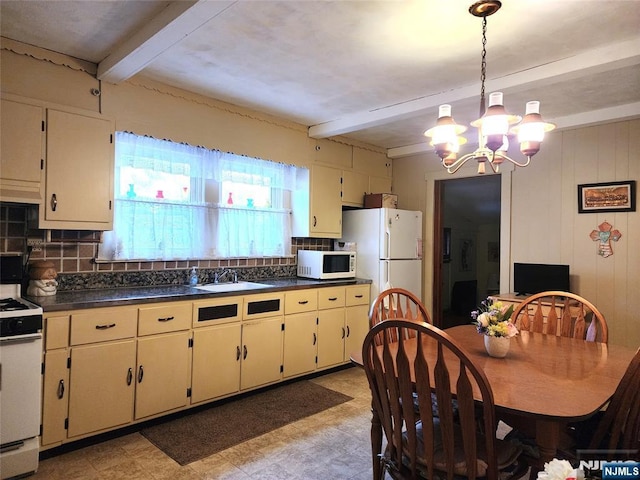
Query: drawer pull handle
x=129 y=376
x=166 y=319
x=315 y=338
x=104 y=327
x=61 y=389
x=303 y=302
x=244 y=355
x=343 y=332
x=333 y=299
x=237 y=353
x=54 y=202
x=348 y=331
x=140 y=374
x=359 y=296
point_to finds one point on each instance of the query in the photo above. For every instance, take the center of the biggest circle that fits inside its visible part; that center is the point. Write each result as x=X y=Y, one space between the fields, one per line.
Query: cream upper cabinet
x=354 y=187
x=79 y=172
x=379 y=185
x=21 y=152
x=318 y=205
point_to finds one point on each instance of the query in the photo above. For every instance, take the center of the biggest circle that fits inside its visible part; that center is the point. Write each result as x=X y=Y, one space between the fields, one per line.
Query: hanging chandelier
x=494 y=124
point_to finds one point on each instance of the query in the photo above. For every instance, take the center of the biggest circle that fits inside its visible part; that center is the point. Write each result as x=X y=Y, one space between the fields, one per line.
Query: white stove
x=20 y=383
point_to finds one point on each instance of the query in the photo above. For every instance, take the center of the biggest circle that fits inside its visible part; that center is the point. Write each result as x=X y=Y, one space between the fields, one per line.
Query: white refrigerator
x=388 y=245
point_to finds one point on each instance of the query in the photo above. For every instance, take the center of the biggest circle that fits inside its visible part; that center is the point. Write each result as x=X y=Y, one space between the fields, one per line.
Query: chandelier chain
x=483 y=65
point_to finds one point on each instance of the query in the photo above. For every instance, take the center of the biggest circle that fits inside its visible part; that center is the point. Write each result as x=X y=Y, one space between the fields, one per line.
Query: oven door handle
x=17 y=339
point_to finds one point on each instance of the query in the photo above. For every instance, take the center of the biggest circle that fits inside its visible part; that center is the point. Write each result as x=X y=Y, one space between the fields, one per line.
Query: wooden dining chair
x=419 y=444
x=397 y=303
x=561 y=313
x=617 y=427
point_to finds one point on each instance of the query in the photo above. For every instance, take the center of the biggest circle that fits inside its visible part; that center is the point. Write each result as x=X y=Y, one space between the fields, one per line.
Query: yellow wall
x=541 y=223
x=146 y=107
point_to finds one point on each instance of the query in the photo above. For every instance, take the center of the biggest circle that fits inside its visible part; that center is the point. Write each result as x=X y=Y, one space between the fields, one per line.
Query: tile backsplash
x=73 y=254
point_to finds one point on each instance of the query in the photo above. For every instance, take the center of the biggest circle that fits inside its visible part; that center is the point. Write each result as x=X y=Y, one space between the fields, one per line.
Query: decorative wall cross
x=605 y=235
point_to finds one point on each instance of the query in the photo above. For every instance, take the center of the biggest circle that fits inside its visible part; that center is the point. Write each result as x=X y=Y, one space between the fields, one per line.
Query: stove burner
x=11 y=304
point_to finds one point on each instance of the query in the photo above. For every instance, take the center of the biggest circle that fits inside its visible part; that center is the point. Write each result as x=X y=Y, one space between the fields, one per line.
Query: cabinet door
x=261 y=352
x=357 y=321
x=162 y=373
x=55 y=396
x=354 y=186
x=21 y=140
x=331 y=337
x=216 y=362
x=326 y=204
x=300 y=343
x=79 y=173
x=101 y=386
x=379 y=185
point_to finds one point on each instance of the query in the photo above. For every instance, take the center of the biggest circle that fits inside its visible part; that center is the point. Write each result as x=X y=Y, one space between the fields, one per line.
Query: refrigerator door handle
x=386 y=274
x=387 y=244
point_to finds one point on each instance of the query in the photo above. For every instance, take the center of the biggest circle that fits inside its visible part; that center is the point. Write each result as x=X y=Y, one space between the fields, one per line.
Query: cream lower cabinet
x=356 y=318
x=300 y=332
x=101 y=386
x=55 y=397
x=261 y=352
x=341 y=330
x=163 y=358
x=331 y=326
x=216 y=362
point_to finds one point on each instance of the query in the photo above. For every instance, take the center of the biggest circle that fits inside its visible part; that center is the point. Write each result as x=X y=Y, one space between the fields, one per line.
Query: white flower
x=483 y=319
x=558 y=469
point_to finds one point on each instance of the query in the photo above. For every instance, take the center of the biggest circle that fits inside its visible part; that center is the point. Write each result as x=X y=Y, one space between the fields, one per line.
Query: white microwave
x=323 y=265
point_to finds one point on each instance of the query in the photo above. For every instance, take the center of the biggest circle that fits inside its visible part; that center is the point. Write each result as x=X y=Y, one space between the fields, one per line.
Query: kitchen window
x=175 y=202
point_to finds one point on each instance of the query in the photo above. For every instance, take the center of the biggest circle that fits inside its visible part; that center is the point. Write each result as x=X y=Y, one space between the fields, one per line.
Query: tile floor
x=333 y=444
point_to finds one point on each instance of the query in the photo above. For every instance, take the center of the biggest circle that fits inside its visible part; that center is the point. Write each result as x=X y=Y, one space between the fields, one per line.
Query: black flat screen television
x=530 y=278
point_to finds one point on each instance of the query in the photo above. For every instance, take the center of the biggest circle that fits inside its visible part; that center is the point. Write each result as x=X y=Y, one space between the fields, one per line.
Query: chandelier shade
x=495 y=124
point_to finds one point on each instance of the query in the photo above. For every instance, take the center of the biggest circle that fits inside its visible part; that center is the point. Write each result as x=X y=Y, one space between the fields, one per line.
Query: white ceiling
x=374 y=71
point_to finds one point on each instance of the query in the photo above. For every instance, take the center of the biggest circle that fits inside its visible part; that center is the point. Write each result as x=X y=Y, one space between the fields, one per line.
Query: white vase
x=497 y=346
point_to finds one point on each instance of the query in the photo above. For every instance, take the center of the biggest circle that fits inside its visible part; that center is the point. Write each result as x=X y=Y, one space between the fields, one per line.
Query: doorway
x=466 y=246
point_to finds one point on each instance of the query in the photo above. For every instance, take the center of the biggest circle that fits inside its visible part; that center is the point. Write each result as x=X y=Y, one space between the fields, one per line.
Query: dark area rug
x=197 y=435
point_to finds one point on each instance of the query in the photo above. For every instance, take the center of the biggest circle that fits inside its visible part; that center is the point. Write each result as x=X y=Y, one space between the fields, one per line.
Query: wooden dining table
x=546 y=380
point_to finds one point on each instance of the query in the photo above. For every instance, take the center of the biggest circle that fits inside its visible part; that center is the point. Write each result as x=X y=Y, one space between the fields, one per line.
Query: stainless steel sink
x=231 y=287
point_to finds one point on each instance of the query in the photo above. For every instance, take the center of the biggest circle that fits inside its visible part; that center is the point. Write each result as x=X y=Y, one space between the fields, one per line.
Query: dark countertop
x=111 y=297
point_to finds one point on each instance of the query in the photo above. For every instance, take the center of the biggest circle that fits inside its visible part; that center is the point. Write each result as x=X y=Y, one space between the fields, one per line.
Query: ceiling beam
x=589 y=63
x=173 y=24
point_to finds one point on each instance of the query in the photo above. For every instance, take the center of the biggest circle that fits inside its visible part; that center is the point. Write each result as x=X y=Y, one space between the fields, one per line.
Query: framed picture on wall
x=607 y=197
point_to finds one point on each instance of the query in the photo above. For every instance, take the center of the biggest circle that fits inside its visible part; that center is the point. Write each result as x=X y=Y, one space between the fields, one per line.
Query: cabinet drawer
x=215 y=311
x=56 y=332
x=165 y=317
x=263 y=305
x=332 y=297
x=103 y=324
x=358 y=295
x=300 y=301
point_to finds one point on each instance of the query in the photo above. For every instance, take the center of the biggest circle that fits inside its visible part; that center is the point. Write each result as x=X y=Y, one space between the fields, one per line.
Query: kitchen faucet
x=218 y=276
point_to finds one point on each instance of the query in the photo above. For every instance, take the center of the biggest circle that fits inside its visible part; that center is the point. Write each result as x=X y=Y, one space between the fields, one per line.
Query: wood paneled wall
x=540 y=220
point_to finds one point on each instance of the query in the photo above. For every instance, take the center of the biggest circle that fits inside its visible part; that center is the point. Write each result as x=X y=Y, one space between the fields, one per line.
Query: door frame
x=433 y=214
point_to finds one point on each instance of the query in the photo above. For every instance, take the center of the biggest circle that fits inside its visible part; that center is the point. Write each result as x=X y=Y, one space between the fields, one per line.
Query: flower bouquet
x=494 y=319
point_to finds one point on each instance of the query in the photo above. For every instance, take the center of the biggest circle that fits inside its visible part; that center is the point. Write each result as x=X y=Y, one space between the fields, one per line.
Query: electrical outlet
x=36 y=244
